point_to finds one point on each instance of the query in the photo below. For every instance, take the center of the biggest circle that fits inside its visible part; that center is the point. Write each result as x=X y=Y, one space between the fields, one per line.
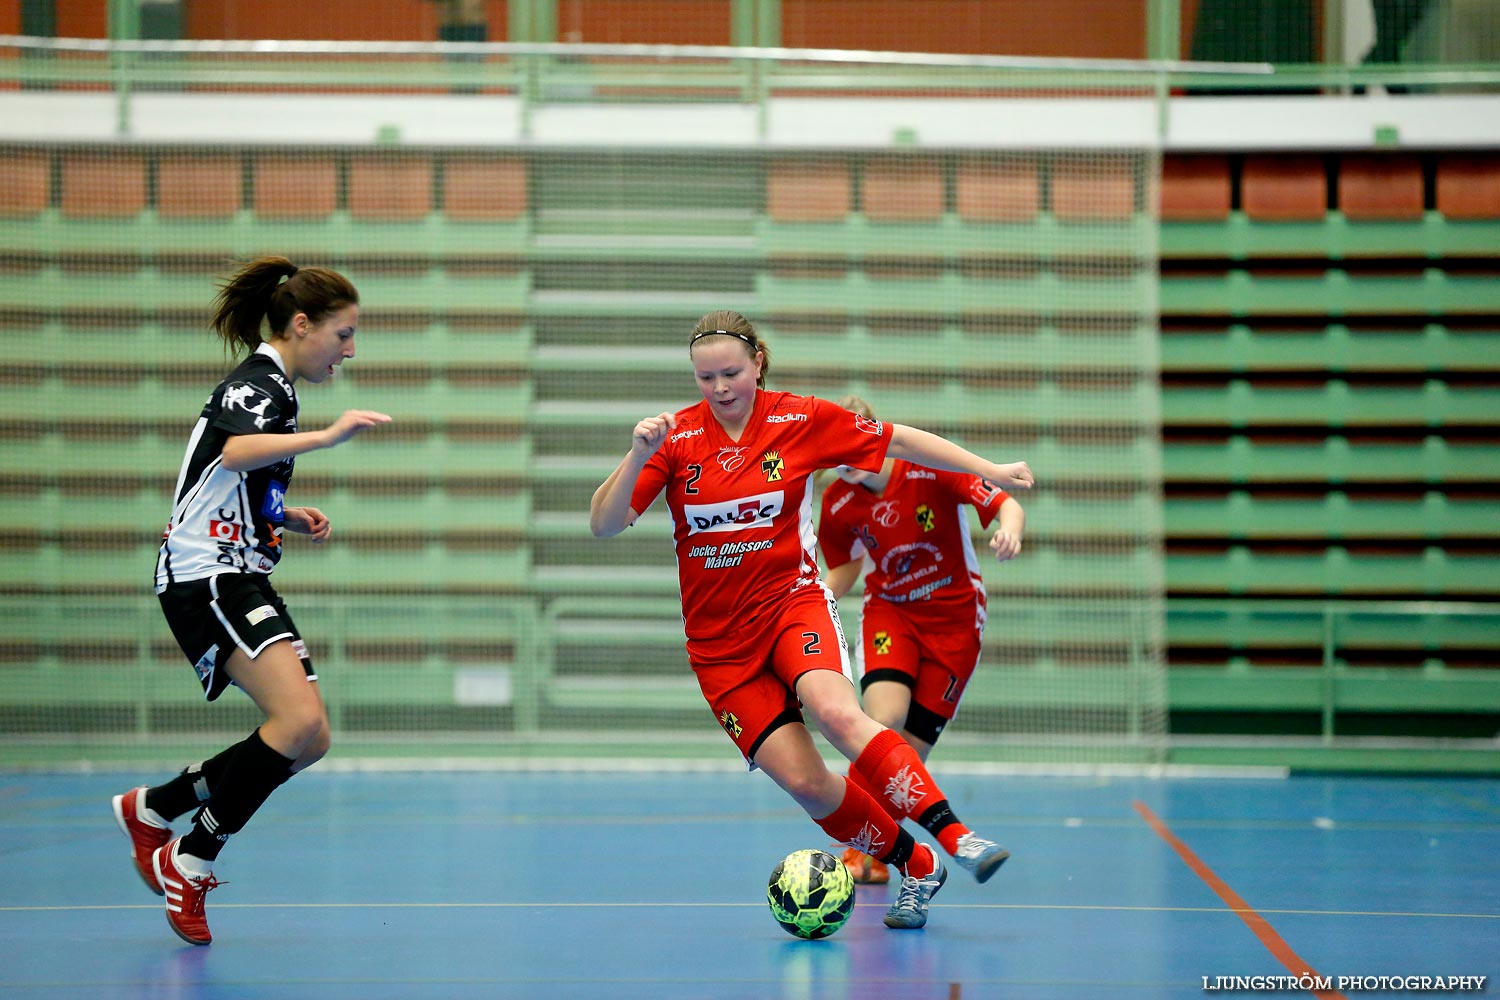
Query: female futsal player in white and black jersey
x=213 y=572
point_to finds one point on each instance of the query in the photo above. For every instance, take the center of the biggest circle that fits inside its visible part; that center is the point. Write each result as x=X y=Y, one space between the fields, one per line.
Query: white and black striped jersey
x=222 y=521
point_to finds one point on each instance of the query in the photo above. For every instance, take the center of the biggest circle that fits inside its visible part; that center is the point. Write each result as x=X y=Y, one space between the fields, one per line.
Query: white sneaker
x=909 y=911
x=981 y=857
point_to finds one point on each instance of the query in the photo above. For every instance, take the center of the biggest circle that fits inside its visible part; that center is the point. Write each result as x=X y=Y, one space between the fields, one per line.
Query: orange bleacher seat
x=1284 y=188
x=388 y=187
x=1195 y=188
x=1093 y=191
x=1468 y=186
x=903 y=190
x=103 y=185
x=295 y=186
x=1376 y=188
x=197 y=187
x=808 y=190
x=484 y=188
x=986 y=190
x=25 y=183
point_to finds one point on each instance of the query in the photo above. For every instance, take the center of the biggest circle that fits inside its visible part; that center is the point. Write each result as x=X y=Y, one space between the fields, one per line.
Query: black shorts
x=212 y=618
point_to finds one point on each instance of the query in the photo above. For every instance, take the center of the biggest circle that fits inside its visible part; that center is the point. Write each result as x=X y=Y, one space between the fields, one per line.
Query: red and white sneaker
x=184 y=894
x=145 y=836
x=864 y=869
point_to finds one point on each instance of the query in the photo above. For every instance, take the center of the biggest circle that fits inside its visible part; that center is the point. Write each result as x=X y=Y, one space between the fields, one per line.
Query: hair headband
x=723 y=333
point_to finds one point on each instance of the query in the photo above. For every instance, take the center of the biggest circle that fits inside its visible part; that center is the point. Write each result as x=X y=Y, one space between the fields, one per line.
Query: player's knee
x=305 y=726
x=843 y=724
x=315 y=750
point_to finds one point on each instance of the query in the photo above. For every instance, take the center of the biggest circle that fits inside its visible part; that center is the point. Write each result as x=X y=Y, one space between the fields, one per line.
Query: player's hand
x=1005 y=545
x=650 y=434
x=308 y=521
x=351 y=423
x=1014 y=476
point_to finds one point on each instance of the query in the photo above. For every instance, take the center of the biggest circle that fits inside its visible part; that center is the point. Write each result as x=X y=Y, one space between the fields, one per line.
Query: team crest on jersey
x=731 y=724
x=886 y=513
x=244 y=396
x=925 y=517
x=731 y=459
x=734 y=515
x=772 y=467
x=882 y=643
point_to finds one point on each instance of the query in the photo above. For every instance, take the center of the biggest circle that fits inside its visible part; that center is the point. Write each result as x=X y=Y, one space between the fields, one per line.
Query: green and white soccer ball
x=811 y=893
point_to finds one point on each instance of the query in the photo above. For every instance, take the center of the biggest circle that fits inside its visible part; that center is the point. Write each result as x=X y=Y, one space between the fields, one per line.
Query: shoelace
x=910 y=895
x=204 y=886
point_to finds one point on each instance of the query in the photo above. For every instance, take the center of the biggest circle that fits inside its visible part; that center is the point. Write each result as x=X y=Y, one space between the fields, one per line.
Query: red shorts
x=749 y=676
x=935 y=662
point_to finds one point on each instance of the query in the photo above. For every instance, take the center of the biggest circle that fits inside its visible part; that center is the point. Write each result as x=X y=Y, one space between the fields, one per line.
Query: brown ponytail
x=273 y=290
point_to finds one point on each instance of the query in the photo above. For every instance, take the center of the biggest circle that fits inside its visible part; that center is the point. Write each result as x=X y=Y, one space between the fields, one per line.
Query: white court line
x=77 y=908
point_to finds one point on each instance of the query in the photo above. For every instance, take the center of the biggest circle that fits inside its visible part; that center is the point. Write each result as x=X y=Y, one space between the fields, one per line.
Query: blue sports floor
x=562 y=885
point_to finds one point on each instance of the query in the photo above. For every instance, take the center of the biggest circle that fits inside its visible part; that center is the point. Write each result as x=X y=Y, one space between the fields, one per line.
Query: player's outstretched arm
x=245 y=452
x=609 y=511
x=926 y=448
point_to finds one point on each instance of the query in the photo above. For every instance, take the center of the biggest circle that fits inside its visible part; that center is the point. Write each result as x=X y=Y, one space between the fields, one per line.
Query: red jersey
x=742 y=510
x=916 y=534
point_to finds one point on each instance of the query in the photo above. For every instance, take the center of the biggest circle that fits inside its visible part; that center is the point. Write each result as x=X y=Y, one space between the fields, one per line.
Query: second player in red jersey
x=922 y=620
x=764 y=637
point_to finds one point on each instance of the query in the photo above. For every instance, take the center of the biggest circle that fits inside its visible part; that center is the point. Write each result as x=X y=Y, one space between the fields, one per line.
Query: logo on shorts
x=926 y=518
x=260 y=614
x=731 y=724
x=882 y=643
x=206 y=663
x=772 y=466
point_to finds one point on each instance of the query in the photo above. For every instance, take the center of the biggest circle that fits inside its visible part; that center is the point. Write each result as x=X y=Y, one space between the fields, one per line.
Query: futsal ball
x=811 y=893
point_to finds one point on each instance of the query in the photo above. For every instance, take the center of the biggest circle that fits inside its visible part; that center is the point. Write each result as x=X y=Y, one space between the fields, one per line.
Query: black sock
x=900 y=852
x=192 y=787
x=251 y=775
x=937 y=817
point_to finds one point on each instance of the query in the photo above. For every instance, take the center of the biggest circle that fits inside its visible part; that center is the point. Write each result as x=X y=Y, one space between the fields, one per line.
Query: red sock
x=862 y=824
x=890 y=767
x=864 y=785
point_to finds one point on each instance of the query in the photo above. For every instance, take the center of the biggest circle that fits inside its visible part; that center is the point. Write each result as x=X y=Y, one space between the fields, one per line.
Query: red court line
x=1258 y=925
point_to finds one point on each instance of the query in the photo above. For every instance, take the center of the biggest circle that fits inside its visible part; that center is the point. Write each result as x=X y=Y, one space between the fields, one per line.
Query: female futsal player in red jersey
x=763 y=631
x=923 y=616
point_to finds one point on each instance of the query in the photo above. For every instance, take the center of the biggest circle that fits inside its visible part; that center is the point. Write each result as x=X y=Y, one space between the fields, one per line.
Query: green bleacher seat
x=1245 y=515
x=1241 y=348
x=1335 y=403
x=1333 y=460
x=1331 y=293
x=949 y=294
x=1333 y=237
x=857 y=238
x=1332 y=572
